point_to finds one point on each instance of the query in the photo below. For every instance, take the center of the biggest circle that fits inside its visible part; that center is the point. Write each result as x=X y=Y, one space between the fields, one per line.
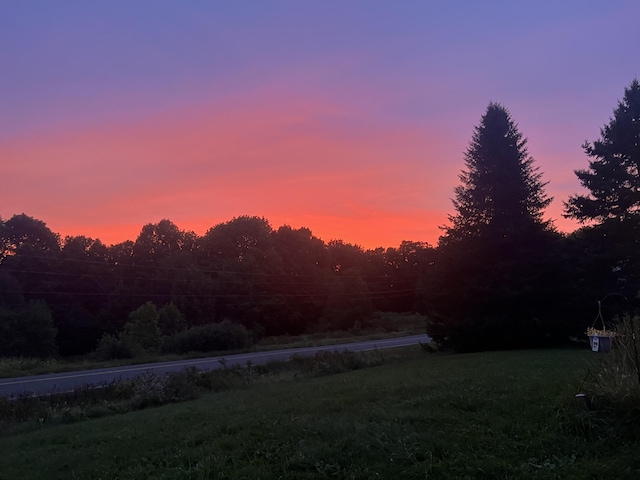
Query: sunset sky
x=346 y=117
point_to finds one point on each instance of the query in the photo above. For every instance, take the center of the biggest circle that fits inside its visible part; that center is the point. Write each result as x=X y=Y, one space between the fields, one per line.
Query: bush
x=155 y=390
x=329 y=362
x=617 y=377
x=388 y=322
x=143 y=328
x=140 y=334
x=209 y=338
x=111 y=347
x=171 y=320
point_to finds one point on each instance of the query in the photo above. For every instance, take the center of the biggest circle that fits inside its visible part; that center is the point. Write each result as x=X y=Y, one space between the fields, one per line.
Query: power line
x=116 y=265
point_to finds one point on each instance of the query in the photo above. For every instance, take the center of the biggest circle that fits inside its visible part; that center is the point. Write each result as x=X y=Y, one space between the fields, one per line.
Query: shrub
x=395 y=322
x=111 y=347
x=152 y=390
x=619 y=373
x=171 y=320
x=329 y=362
x=616 y=379
x=142 y=328
x=209 y=338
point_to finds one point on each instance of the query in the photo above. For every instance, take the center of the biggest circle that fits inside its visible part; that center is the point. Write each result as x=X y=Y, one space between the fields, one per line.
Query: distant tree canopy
x=270 y=282
x=489 y=278
x=24 y=234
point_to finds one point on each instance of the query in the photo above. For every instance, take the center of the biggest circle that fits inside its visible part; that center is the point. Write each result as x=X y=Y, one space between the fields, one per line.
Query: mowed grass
x=499 y=415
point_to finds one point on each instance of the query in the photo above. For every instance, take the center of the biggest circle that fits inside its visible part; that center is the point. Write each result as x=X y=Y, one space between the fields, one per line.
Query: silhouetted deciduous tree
x=25 y=235
x=158 y=241
x=30 y=256
x=171 y=320
x=300 y=287
x=84 y=278
x=240 y=258
x=142 y=329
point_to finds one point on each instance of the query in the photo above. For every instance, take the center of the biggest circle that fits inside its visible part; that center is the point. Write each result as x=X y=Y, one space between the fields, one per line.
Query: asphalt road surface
x=67 y=382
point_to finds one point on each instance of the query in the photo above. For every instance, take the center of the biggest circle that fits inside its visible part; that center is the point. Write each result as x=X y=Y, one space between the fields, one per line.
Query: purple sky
x=347 y=117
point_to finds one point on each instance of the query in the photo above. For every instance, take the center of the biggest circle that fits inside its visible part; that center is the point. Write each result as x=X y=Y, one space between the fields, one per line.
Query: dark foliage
x=27 y=331
x=270 y=282
x=501 y=194
x=209 y=338
x=501 y=277
x=111 y=347
x=494 y=283
x=613 y=176
x=611 y=245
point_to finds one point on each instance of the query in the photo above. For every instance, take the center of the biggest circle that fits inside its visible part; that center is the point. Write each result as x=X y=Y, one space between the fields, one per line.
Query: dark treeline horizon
x=500 y=277
x=274 y=282
x=62 y=238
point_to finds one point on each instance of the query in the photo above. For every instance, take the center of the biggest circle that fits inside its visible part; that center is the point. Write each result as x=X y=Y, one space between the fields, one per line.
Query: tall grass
x=13 y=366
x=26 y=412
x=614 y=380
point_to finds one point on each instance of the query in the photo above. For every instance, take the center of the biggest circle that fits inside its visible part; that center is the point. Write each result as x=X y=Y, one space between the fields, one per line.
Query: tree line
x=272 y=282
x=501 y=276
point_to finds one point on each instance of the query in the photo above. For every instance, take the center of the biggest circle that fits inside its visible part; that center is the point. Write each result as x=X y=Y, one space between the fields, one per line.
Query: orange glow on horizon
x=367 y=233
x=294 y=162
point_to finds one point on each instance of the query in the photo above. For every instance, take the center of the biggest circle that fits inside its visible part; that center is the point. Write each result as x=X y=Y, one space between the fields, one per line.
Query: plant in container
x=600 y=340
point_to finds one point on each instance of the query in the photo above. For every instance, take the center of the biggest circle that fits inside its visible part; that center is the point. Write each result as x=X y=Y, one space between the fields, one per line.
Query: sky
x=350 y=118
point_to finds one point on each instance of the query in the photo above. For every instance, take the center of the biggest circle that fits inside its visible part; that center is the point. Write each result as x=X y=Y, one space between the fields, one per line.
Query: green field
x=496 y=415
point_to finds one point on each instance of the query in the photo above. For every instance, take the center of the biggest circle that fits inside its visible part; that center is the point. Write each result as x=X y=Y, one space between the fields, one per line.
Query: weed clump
x=152 y=390
x=614 y=381
x=328 y=362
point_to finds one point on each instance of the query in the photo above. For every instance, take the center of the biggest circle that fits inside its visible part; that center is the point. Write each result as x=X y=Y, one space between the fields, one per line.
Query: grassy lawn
x=496 y=415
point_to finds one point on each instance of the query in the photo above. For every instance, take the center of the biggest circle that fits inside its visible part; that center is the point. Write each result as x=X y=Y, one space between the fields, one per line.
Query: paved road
x=66 y=382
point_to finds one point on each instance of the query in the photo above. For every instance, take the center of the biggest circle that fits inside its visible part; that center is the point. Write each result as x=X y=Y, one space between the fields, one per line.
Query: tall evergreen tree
x=613 y=176
x=501 y=193
x=610 y=245
x=487 y=289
